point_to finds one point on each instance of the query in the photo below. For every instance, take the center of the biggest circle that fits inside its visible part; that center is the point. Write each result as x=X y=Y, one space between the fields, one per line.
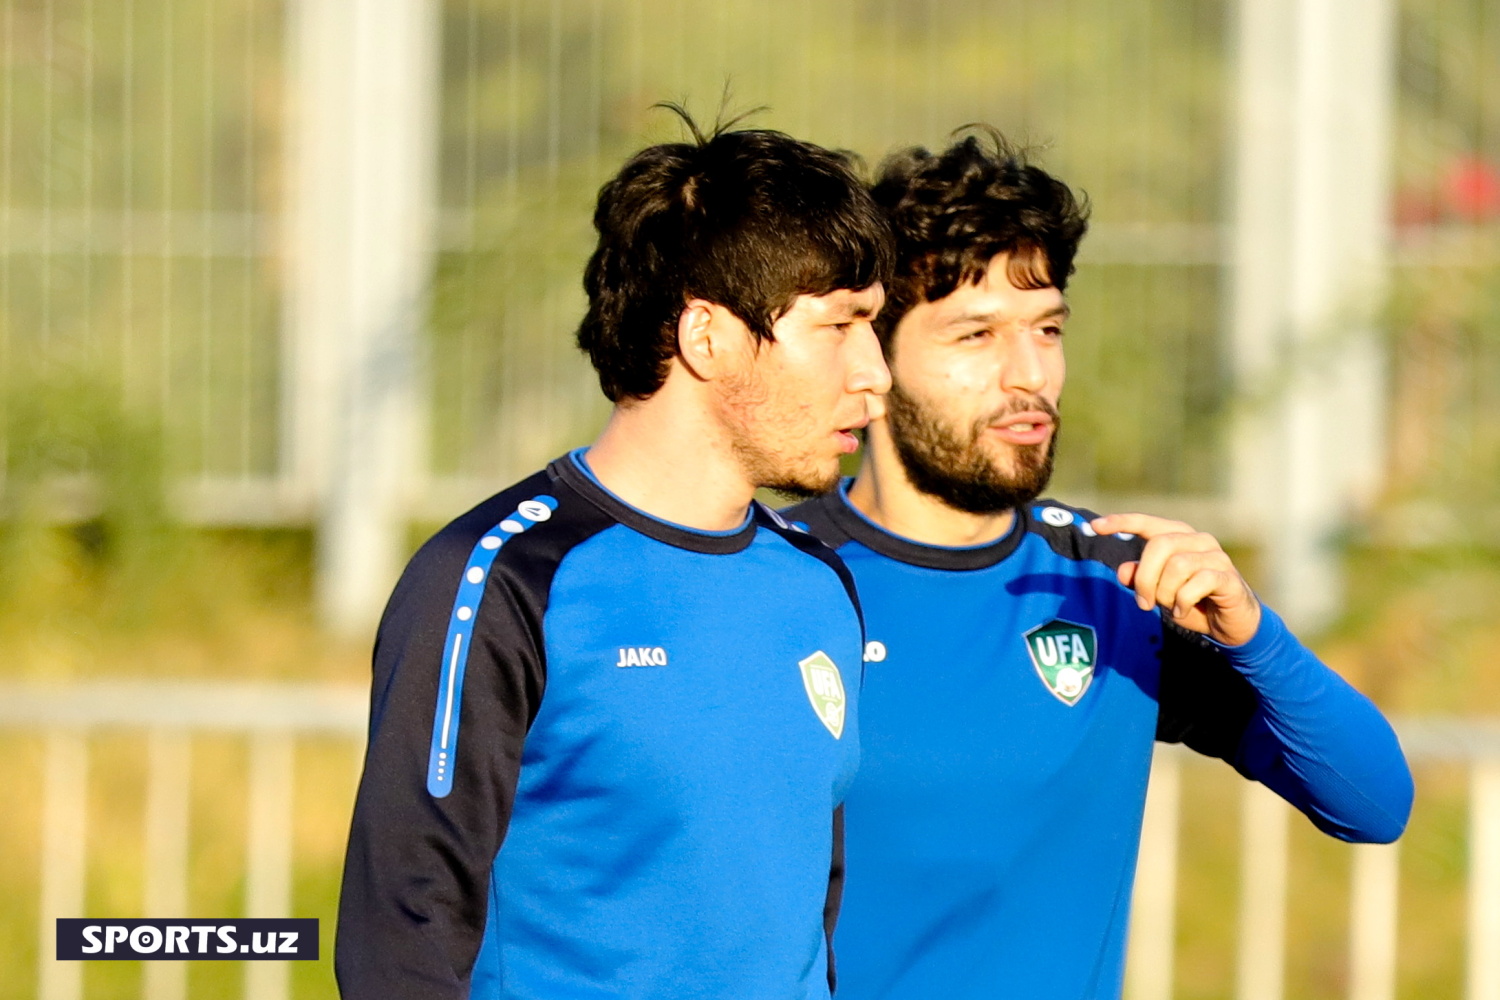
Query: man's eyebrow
x=967 y=318
x=1062 y=311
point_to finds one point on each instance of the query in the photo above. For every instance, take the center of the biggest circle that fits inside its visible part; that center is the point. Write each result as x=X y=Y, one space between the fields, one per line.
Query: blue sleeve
x=1317 y=742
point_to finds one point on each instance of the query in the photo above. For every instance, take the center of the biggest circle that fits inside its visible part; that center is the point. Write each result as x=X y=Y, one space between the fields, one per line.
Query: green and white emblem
x=825 y=689
x=1064 y=654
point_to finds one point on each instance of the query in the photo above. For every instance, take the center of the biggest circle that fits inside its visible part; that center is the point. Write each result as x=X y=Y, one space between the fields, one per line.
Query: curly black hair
x=953 y=211
x=748 y=219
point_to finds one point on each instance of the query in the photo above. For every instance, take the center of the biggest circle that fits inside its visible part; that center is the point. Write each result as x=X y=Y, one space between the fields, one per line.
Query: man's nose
x=1023 y=370
x=868 y=371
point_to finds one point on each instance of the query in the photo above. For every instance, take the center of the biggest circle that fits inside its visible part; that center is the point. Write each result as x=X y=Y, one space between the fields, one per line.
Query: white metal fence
x=273 y=717
x=1374 y=898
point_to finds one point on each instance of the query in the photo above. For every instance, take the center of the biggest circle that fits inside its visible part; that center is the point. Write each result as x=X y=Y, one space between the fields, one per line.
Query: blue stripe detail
x=444 y=752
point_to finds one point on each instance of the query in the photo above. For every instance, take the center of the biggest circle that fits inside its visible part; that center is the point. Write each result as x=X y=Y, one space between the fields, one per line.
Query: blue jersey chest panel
x=991 y=820
x=677 y=767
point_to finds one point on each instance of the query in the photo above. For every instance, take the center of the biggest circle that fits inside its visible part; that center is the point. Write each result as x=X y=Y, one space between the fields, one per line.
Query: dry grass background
x=212 y=605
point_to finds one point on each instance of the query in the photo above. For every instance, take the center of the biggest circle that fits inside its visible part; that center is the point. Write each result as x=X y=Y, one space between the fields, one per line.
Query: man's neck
x=665 y=456
x=883 y=493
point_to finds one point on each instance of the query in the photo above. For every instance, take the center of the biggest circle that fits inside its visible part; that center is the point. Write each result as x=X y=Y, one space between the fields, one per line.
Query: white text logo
x=642 y=656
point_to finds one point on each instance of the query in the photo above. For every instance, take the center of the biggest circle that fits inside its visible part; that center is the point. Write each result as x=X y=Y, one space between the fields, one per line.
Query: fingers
x=1168 y=560
x=1180 y=569
x=1147 y=526
x=1177 y=571
x=1201 y=586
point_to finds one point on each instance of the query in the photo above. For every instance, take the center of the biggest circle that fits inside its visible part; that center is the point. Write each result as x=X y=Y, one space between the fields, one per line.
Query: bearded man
x=1024 y=656
x=613 y=711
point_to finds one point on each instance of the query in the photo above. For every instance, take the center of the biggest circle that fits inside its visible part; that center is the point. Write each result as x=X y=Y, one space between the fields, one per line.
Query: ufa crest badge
x=825 y=689
x=1064 y=654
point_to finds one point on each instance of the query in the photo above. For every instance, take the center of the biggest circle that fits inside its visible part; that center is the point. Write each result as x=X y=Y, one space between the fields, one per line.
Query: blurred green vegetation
x=141 y=146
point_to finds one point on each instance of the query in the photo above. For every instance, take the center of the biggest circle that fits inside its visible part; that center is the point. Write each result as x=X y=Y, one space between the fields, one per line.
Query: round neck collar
x=860 y=528
x=573 y=470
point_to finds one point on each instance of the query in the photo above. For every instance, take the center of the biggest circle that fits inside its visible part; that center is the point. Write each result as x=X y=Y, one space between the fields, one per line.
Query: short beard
x=792 y=484
x=952 y=465
x=767 y=470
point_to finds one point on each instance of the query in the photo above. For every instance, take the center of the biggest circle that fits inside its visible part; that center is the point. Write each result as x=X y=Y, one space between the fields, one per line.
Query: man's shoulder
x=540 y=515
x=454 y=541
x=1068 y=533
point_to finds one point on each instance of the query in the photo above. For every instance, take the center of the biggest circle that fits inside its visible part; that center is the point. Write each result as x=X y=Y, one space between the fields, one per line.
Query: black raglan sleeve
x=417 y=873
x=1203 y=702
x=835 y=897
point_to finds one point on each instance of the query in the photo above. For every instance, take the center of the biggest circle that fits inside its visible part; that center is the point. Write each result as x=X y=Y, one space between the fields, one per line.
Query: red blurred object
x=1417 y=207
x=1471 y=189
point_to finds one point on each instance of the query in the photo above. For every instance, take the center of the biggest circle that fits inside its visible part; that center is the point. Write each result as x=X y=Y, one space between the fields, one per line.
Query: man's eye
x=1053 y=331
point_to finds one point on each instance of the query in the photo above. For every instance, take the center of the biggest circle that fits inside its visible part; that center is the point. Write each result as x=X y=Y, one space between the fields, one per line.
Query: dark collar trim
x=683 y=538
x=860 y=529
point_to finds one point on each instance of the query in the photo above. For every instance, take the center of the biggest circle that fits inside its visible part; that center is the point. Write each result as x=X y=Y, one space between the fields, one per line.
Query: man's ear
x=706 y=332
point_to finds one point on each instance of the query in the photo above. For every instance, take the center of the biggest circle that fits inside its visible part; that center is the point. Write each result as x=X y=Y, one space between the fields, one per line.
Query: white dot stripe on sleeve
x=442 y=756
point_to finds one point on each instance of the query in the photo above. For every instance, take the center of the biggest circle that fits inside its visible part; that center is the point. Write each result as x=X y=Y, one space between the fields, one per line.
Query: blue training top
x=1013 y=693
x=605 y=755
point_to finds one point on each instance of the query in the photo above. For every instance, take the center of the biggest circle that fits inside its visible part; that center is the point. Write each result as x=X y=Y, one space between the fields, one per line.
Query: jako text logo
x=642 y=656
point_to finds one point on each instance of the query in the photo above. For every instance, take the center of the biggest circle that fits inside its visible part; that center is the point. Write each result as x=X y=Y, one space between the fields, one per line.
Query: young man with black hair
x=1024 y=655
x=613 y=708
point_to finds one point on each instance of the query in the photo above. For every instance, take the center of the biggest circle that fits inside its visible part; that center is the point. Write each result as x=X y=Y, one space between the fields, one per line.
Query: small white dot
x=490 y=542
x=514 y=527
x=475 y=574
x=464 y=614
x=442 y=755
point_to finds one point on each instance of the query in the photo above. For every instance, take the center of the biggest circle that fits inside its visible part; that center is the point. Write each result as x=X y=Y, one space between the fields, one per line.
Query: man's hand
x=1189 y=574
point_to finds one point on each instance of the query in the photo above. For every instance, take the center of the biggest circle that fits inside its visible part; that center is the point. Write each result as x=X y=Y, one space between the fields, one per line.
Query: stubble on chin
x=749 y=413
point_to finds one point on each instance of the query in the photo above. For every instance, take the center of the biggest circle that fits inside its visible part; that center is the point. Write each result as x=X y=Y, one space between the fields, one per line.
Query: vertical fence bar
x=1261 y=958
x=1311 y=205
x=168 y=781
x=1373 y=898
x=1154 y=908
x=1264 y=76
x=269 y=850
x=1362 y=188
x=363 y=166
x=1484 y=882
x=64 y=819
